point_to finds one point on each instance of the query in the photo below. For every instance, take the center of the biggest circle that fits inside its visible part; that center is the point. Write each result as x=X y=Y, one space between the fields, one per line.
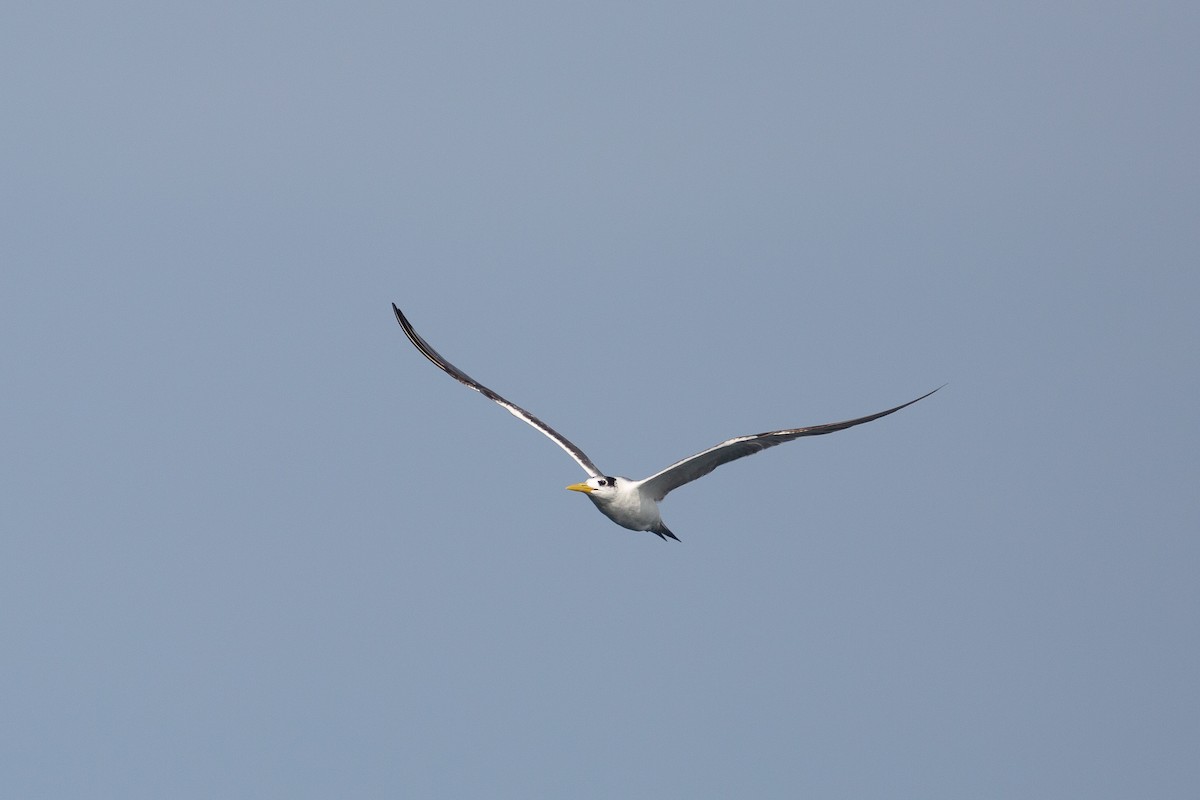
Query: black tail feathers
x=663 y=532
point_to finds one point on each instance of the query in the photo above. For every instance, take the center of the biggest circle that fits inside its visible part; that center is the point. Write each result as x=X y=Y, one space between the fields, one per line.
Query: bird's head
x=598 y=489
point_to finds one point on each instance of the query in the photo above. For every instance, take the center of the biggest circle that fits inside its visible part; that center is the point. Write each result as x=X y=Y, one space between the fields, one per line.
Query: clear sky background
x=255 y=546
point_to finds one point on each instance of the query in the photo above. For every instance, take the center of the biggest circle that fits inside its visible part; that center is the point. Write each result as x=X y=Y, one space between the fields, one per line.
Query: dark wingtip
x=911 y=402
x=922 y=397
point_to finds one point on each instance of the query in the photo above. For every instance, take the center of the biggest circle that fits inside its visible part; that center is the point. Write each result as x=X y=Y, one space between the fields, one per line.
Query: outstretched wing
x=689 y=469
x=514 y=409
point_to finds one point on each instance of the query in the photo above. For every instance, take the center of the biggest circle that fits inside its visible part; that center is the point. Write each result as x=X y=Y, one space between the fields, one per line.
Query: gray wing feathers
x=699 y=465
x=512 y=408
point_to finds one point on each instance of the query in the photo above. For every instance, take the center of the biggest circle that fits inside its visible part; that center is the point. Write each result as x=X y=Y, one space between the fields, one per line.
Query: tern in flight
x=629 y=503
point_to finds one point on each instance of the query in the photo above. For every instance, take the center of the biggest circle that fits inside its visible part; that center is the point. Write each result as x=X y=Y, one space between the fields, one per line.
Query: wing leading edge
x=466 y=380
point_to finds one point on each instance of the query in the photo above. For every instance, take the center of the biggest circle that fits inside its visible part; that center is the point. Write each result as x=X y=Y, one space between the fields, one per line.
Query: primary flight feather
x=629 y=503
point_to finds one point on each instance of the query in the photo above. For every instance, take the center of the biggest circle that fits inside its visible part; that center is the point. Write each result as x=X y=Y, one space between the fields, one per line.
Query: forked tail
x=663 y=532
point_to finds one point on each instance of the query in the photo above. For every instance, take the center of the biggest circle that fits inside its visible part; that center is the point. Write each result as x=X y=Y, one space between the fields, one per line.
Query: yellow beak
x=580 y=487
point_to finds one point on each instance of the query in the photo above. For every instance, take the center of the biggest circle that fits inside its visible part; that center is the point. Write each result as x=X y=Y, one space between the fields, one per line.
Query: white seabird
x=629 y=503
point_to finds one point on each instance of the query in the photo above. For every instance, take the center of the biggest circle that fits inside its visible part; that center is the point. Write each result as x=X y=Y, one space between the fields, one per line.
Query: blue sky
x=256 y=546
